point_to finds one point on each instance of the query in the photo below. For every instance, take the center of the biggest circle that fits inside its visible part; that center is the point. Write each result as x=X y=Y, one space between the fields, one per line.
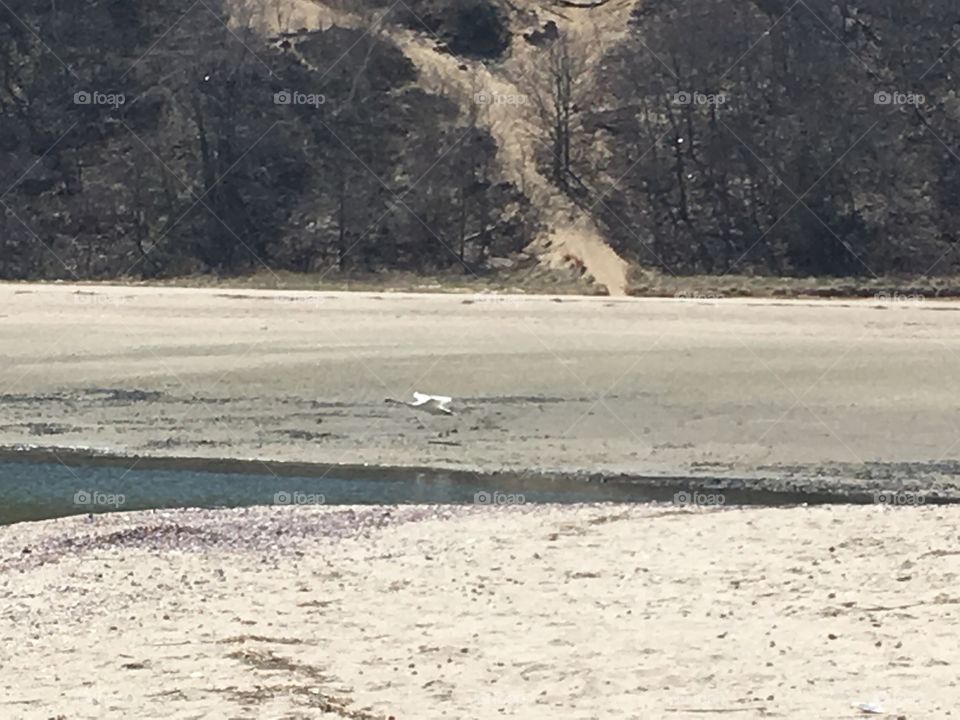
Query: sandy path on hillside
x=706 y=388
x=503 y=108
x=581 y=613
x=506 y=111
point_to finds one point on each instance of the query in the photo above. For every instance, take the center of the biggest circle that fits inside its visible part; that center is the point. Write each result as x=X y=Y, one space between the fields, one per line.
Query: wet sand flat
x=640 y=386
x=579 y=612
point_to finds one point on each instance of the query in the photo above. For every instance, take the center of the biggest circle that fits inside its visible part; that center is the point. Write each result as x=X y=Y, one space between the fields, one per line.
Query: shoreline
x=815 y=396
x=758 y=490
x=643 y=286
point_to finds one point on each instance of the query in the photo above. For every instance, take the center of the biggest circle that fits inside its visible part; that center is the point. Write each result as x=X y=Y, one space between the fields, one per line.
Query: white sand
x=576 y=612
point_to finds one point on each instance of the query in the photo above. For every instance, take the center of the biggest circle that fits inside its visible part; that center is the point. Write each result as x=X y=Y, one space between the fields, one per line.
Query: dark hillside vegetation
x=715 y=137
x=470 y=28
x=136 y=144
x=817 y=138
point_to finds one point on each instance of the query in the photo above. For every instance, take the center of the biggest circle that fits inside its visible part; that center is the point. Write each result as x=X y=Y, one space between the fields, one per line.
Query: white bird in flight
x=433 y=404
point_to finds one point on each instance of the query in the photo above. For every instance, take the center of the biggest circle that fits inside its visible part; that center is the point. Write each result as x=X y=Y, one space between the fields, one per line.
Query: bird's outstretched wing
x=433 y=403
x=420 y=398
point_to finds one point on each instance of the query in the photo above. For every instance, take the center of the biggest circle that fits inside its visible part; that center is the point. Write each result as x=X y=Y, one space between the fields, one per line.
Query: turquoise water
x=38 y=491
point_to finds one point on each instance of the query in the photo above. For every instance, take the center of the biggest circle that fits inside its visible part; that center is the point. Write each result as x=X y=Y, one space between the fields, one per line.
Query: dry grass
x=645 y=283
x=307 y=688
x=535 y=280
x=543 y=281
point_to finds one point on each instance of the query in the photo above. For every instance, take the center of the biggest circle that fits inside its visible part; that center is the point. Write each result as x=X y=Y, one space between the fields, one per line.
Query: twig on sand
x=947 y=601
x=762 y=709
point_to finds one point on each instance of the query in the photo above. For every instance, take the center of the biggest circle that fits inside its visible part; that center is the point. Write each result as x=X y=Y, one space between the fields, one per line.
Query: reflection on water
x=39 y=491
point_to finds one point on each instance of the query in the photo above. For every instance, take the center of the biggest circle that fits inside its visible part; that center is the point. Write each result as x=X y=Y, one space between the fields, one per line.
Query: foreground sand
x=685 y=387
x=475 y=613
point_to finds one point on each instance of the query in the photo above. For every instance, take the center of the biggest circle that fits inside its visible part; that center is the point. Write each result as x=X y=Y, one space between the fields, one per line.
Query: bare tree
x=551 y=84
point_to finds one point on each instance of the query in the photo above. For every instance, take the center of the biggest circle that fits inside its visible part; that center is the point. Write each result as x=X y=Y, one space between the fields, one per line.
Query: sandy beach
x=479 y=360
x=827 y=391
x=420 y=612
x=581 y=612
